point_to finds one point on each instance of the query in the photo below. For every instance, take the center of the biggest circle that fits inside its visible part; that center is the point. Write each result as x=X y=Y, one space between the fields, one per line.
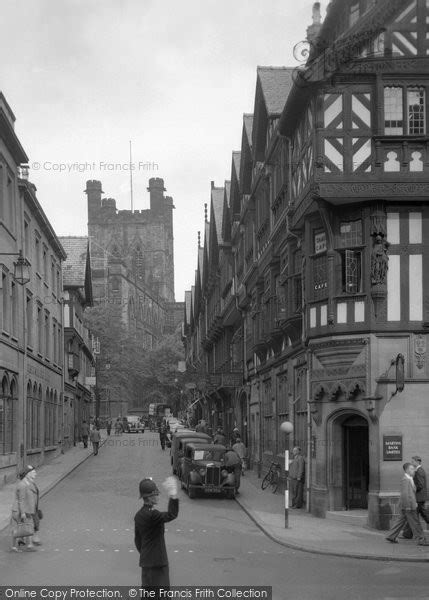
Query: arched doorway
x=348 y=460
x=355 y=462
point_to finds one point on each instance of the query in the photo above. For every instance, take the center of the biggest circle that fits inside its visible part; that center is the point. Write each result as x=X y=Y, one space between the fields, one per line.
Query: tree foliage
x=127 y=368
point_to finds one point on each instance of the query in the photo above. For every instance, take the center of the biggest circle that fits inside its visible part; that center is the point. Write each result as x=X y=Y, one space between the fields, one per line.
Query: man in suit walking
x=408 y=509
x=421 y=493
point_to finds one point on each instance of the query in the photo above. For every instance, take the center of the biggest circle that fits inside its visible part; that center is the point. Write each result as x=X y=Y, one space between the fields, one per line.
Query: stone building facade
x=79 y=358
x=132 y=266
x=31 y=325
x=328 y=234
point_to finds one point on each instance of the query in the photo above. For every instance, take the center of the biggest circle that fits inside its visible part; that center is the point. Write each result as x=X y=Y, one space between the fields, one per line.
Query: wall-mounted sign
x=319 y=242
x=392 y=447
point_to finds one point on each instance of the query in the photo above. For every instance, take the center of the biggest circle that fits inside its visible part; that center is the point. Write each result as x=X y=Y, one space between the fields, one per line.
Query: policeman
x=149 y=532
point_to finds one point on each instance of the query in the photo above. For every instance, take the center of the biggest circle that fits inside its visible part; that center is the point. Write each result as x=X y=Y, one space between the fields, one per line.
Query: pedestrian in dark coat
x=95 y=438
x=219 y=437
x=109 y=426
x=163 y=435
x=149 y=532
x=408 y=509
x=297 y=478
x=85 y=433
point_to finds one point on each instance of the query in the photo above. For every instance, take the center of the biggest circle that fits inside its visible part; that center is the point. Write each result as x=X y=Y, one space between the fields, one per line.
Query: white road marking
x=71 y=549
x=176 y=551
x=190 y=550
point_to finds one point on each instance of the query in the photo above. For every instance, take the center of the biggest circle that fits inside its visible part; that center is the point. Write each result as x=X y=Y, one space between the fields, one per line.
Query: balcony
x=384 y=167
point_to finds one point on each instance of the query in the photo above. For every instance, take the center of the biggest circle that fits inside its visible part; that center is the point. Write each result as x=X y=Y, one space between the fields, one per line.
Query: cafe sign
x=319 y=242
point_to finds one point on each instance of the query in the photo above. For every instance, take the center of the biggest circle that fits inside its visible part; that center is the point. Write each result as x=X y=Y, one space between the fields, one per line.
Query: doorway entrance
x=355 y=462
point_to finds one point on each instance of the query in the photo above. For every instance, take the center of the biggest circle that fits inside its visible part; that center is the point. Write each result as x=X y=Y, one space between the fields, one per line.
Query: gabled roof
x=276 y=83
x=226 y=218
x=248 y=127
x=246 y=159
x=236 y=158
x=77 y=266
x=273 y=85
x=217 y=196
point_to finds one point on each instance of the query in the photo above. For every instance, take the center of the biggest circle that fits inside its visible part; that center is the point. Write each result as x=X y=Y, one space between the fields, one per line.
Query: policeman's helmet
x=147 y=488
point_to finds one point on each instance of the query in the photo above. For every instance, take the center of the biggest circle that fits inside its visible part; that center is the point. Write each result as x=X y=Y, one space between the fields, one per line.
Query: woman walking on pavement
x=25 y=509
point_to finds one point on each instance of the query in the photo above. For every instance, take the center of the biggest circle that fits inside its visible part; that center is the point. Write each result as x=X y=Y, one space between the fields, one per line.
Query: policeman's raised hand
x=170 y=486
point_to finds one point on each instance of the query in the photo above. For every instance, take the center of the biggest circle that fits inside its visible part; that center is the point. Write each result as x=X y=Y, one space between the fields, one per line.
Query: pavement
x=48 y=476
x=305 y=532
x=320 y=536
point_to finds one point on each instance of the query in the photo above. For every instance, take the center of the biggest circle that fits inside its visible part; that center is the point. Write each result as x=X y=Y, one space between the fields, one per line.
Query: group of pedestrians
x=411 y=504
x=26 y=514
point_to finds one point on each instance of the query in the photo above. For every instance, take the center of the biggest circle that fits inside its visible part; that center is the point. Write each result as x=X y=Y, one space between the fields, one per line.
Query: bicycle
x=272 y=478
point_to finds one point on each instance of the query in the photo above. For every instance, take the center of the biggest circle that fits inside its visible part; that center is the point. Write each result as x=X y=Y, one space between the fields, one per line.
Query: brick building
x=328 y=220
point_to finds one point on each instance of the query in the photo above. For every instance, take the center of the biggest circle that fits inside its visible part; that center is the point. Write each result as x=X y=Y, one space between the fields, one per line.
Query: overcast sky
x=84 y=77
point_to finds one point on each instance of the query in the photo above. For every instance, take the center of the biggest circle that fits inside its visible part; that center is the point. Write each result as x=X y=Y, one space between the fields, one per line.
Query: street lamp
x=21 y=272
x=287 y=428
x=22 y=276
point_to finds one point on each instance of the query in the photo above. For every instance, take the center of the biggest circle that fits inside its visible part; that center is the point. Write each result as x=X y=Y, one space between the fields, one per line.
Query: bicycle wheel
x=266 y=480
x=274 y=483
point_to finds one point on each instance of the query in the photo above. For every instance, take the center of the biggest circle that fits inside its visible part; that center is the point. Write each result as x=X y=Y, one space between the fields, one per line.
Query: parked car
x=134 y=424
x=178 y=446
x=203 y=470
x=174 y=424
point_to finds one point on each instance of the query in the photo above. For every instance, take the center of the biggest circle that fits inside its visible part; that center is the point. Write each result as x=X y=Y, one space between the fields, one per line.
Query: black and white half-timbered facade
x=329 y=258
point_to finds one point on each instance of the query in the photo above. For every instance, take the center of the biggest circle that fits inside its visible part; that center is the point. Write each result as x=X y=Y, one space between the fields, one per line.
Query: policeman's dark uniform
x=149 y=537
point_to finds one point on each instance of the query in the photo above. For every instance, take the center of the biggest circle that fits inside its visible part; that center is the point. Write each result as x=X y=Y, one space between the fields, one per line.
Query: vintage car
x=133 y=424
x=203 y=469
x=177 y=443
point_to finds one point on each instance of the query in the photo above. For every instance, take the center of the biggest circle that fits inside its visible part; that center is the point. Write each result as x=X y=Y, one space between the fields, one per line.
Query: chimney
x=93 y=192
x=314 y=29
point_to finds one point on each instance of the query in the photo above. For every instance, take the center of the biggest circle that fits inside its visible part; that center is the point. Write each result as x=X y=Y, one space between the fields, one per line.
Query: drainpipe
x=309 y=436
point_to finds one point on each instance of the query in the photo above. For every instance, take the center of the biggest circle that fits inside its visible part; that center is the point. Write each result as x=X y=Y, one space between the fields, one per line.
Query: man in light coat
x=408 y=509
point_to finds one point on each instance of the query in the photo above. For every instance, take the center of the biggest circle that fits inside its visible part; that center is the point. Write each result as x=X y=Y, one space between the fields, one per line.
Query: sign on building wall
x=319 y=242
x=392 y=447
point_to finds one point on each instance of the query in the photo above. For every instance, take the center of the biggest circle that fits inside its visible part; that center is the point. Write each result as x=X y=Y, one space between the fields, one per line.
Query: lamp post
x=21 y=275
x=287 y=428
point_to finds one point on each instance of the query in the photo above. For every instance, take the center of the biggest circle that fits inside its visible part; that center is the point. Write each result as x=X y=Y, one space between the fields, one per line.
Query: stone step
x=357 y=517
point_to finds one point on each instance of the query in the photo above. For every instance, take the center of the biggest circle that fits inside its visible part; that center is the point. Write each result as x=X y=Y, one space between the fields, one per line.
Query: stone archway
x=348 y=460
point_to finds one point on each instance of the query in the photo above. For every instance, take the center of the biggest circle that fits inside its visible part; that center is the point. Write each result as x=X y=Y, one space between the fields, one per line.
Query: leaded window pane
x=393 y=111
x=351 y=233
x=416 y=111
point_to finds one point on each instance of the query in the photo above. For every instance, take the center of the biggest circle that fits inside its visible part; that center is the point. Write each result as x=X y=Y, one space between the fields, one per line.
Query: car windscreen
x=216 y=455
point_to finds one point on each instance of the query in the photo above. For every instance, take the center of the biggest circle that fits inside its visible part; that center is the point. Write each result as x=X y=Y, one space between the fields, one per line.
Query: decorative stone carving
x=369 y=190
x=420 y=351
x=379 y=260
